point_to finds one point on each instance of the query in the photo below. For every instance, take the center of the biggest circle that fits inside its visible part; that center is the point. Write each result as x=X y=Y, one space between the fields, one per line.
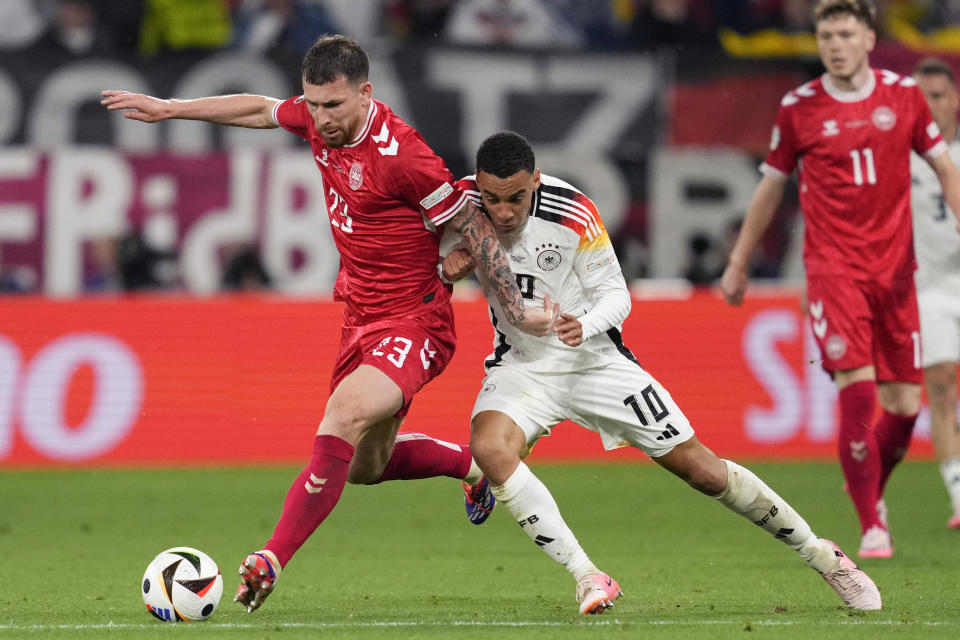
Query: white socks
x=950 y=470
x=530 y=503
x=747 y=495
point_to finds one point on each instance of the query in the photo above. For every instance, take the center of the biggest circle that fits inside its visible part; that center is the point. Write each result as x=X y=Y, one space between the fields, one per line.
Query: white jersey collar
x=849 y=96
x=371 y=114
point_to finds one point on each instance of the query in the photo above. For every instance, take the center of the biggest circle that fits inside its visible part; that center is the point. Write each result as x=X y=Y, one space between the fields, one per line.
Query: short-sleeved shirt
x=935 y=235
x=561 y=252
x=386 y=193
x=852 y=152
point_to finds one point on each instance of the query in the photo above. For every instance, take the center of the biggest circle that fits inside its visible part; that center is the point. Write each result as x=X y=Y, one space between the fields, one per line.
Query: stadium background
x=124 y=342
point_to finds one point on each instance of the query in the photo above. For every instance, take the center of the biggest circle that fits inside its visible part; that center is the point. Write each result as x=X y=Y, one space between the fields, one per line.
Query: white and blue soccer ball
x=182 y=584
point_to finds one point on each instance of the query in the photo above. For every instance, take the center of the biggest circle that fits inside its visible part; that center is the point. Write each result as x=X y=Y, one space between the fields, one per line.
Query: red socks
x=893 y=437
x=859 y=451
x=318 y=487
x=417 y=455
x=312 y=497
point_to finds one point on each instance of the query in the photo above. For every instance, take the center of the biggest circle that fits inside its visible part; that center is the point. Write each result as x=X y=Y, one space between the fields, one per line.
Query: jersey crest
x=548 y=258
x=884 y=118
x=356 y=176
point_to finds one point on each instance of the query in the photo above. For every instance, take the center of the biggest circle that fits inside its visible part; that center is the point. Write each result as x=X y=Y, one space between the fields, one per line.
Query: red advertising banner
x=243 y=380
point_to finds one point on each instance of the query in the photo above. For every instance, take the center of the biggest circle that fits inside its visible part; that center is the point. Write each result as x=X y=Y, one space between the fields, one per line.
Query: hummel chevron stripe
x=314 y=484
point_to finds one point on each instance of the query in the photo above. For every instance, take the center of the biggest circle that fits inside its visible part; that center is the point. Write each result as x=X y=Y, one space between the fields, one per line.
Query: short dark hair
x=935 y=67
x=504 y=154
x=333 y=56
x=862 y=10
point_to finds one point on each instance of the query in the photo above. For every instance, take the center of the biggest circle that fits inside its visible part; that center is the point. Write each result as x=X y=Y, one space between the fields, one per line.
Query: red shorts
x=411 y=351
x=858 y=323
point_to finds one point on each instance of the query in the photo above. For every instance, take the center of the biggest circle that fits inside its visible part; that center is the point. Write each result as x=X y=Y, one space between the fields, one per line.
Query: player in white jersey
x=938 y=278
x=560 y=251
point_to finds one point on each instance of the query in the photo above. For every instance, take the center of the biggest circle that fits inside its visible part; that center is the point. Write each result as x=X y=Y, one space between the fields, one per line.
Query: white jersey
x=934 y=229
x=562 y=251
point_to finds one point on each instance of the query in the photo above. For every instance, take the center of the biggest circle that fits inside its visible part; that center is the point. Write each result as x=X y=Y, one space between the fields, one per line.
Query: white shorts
x=620 y=401
x=939 y=326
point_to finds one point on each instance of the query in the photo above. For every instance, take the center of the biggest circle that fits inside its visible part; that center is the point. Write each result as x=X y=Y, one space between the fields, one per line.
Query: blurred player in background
x=387 y=194
x=558 y=247
x=849 y=133
x=938 y=278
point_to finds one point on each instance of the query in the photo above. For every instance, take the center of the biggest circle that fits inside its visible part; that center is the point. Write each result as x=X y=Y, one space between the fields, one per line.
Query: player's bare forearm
x=492 y=267
x=766 y=199
x=949 y=177
x=240 y=110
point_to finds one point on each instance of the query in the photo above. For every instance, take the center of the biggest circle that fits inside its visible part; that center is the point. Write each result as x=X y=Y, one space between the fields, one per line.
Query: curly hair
x=504 y=154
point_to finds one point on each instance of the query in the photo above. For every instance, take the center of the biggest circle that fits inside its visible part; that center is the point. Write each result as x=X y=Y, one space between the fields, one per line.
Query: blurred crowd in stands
x=155 y=27
x=285 y=29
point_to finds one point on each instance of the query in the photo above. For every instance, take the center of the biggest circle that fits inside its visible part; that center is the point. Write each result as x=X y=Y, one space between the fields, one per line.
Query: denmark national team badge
x=884 y=118
x=836 y=347
x=356 y=176
x=548 y=258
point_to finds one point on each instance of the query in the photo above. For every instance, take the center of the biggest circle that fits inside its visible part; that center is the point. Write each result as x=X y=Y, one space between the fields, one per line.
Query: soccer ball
x=182 y=584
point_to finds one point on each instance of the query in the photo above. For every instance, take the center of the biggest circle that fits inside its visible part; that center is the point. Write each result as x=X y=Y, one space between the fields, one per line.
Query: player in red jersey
x=387 y=194
x=849 y=134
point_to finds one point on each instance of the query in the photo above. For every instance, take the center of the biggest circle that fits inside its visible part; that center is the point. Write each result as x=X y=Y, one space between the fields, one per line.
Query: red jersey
x=386 y=193
x=853 y=154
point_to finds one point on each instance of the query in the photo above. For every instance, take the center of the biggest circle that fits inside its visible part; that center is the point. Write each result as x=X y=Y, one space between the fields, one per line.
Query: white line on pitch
x=464 y=623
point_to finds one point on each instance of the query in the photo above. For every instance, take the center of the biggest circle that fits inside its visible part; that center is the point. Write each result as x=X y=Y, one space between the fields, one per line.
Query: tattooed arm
x=494 y=272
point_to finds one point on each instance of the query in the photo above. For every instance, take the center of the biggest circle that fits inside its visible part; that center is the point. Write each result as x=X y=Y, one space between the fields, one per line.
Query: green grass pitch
x=400 y=560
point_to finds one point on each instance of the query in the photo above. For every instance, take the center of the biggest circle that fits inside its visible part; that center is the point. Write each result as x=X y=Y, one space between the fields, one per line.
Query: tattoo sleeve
x=492 y=268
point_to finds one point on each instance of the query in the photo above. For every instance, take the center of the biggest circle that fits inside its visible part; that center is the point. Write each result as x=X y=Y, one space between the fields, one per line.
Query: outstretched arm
x=240 y=110
x=494 y=272
x=766 y=199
